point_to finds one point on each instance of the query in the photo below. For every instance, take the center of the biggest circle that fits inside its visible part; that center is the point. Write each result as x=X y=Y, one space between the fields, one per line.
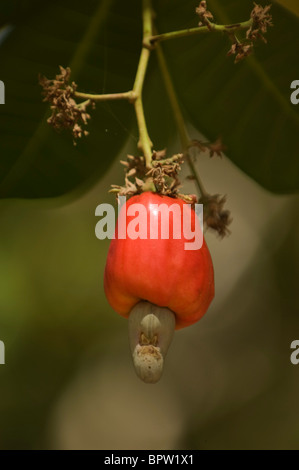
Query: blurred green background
x=68 y=381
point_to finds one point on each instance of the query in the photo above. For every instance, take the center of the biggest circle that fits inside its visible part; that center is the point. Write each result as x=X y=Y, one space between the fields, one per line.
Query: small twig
x=230 y=28
x=144 y=143
x=128 y=95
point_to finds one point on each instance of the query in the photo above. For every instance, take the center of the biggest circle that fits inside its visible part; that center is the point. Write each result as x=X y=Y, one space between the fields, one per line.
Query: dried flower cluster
x=134 y=166
x=204 y=15
x=261 y=20
x=165 y=173
x=66 y=113
x=135 y=170
x=214 y=148
x=215 y=217
x=240 y=50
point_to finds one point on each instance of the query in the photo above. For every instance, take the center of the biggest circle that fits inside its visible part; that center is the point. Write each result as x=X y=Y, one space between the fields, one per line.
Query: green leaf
x=100 y=41
x=14 y=10
x=291 y=5
x=247 y=104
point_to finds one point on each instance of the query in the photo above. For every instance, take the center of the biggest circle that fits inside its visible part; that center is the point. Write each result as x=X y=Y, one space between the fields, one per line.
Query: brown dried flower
x=215 y=217
x=241 y=50
x=261 y=19
x=214 y=148
x=165 y=173
x=135 y=172
x=129 y=189
x=134 y=166
x=66 y=113
x=204 y=15
x=159 y=154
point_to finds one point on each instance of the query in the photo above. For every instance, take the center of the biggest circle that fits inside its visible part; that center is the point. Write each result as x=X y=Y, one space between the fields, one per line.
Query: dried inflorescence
x=261 y=20
x=204 y=15
x=66 y=113
x=135 y=170
x=240 y=50
x=129 y=188
x=162 y=176
x=214 y=148
x=165 y=173
x=215 y=217
x=134 y=166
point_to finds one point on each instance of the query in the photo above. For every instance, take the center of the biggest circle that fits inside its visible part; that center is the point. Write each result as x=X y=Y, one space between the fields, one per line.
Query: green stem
x=83 y=104
x=134 y=95
x=144 y=143
x=231 y=28
x=128 y=95
x=167 y=161
x=184 y=137
x=178 y=116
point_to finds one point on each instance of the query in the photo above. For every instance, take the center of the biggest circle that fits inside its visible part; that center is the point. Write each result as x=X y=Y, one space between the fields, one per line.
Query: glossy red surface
x=160 y=271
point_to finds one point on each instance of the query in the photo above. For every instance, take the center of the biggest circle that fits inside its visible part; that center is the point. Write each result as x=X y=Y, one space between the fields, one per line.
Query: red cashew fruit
x=154 y=277
x=160 y=271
